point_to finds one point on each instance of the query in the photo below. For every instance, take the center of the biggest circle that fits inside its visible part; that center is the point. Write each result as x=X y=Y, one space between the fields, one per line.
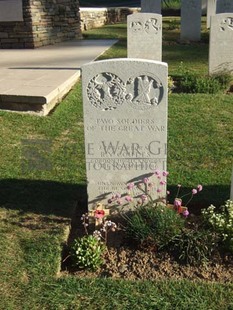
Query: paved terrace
x=35 y=80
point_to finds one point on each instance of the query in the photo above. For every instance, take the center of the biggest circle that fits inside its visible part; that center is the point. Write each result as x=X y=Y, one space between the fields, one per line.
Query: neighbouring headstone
x=144 y=36
x=151 y=6
x=221 y=44
x=224 y=6
x=231 y=194
x=204 y=7
x=211 y=10
x=11 y=10
x=125 y=121
x=191 y=11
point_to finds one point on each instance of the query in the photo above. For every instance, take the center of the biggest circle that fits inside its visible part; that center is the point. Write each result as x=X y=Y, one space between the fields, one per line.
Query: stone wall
x=97 y=17
x=44 y=22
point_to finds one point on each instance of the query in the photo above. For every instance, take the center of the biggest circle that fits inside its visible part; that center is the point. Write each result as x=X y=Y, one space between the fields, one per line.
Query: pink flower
x=144 y=198
x=128 y=198
x=145 y=180
x=130 y=186
x=119 y=201
x=177 y=203
x=162 y=182
x=159 y=190
x=157 y=172
x=168 y=192
x=118 y=195
x=194 y=191
x=165 y=173
x=199 y=187
x=186 y=213
x=99 y=214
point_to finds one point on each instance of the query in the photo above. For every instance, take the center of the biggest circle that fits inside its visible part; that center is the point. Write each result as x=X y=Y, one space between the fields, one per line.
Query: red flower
x=99 y=214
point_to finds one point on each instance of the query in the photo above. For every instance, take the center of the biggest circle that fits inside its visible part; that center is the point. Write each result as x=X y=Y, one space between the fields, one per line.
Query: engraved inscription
x=227 y=23
x=106 y=91
x=127 y=125
x=125 y=164
x=150 y=26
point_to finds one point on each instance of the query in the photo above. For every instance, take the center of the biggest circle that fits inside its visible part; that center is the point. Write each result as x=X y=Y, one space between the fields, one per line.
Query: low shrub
x=221 y=221
x=190 y=82
x=194 y=246
x=155 y=225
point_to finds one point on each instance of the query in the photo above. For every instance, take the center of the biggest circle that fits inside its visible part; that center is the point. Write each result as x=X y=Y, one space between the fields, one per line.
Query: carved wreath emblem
x=106 y=91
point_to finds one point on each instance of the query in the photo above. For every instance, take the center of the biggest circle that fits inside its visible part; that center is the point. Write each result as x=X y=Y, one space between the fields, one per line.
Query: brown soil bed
x=126 y=261
x=129 y=264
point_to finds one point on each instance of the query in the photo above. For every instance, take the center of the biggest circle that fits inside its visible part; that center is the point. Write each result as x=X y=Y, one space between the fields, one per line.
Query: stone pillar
x=44 y=22
x=151 y=6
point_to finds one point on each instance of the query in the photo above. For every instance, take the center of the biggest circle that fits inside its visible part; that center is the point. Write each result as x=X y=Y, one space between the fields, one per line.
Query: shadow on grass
x=60 y=199
x=42 y=197
x=186 y=52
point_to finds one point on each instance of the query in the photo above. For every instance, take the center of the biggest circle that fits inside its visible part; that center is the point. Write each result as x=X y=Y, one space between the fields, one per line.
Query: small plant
x=141 y=193
x=193 y=246
x=171 y=85
x=87 y=252
x=221 y=222
x=154 y=225
x=178 y=202
x=173 y=24
x=190 y=82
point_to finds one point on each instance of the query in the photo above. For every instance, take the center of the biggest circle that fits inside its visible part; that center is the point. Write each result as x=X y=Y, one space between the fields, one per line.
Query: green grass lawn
x=42 y=169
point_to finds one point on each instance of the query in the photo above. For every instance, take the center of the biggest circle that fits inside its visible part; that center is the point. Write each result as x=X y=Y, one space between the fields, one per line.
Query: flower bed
x=153 y=239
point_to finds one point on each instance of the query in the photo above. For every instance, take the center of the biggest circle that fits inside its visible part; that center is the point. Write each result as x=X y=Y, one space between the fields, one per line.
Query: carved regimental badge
x=149 y=26
x=144 y=91
x=106 y=91
x=227 y=23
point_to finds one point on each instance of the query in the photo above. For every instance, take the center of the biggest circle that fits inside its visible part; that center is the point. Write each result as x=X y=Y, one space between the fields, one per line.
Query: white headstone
x=191 y=20
x=221 y=44
x=125 y=121
x=211 y=10
x=144 y=36
x=204 y=7
x=151 y=6
x=11 y=10
x=224 y=6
